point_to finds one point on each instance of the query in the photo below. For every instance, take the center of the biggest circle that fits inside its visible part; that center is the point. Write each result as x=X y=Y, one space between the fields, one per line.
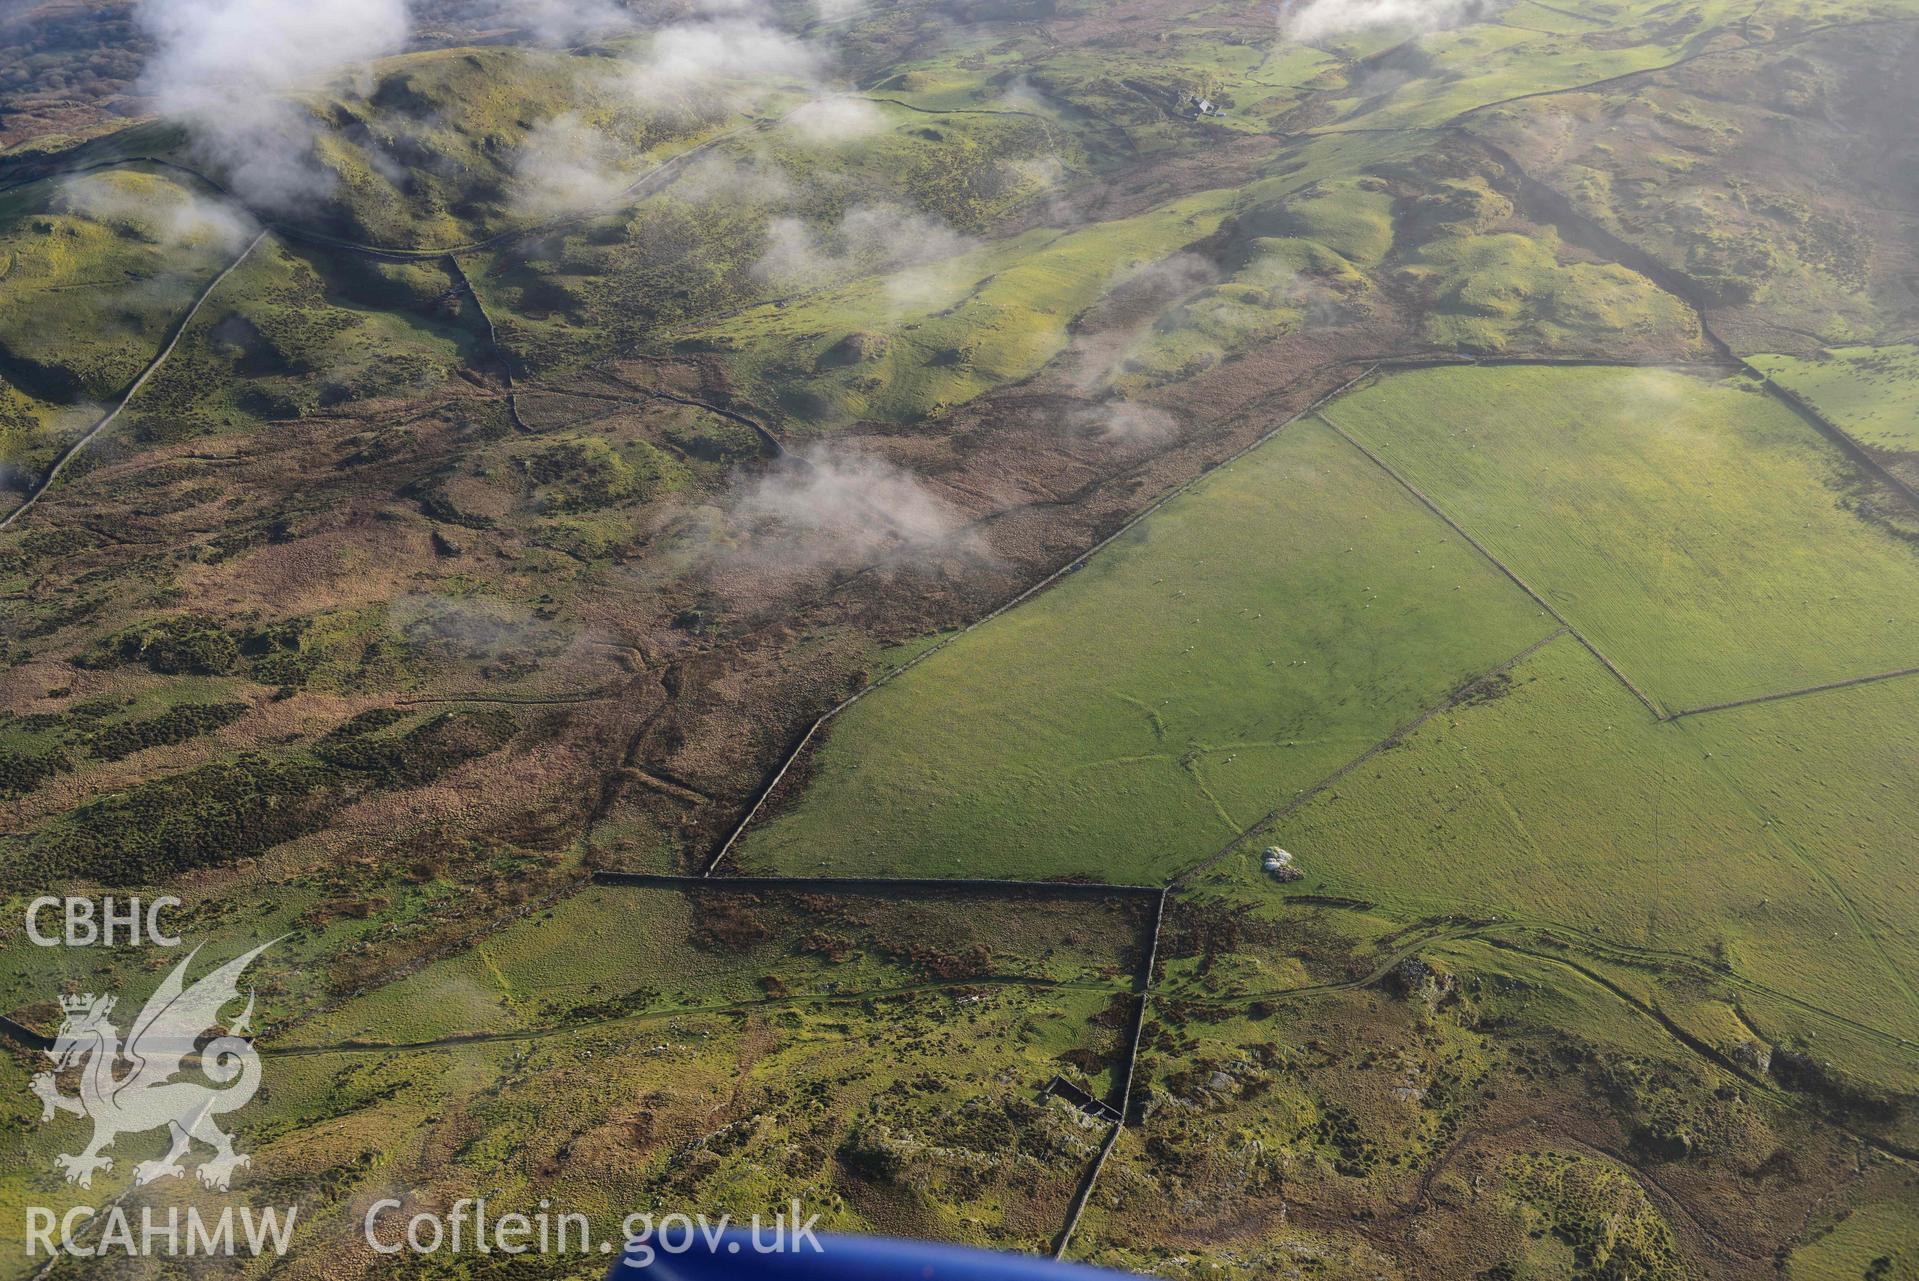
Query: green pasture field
x=1295 y=651
x=1879 y=1240
x=1240 y=644
x=1699 y=533
x=1870 y=392
x=1766 y=841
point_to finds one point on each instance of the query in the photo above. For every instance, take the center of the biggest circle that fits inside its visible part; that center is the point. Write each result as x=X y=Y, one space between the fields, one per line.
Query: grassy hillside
x=1872 y=392
x=845 y=187
x=296 y=331
x=95 y=268
x=94 y=272
x=950 y=329
x=452 y=146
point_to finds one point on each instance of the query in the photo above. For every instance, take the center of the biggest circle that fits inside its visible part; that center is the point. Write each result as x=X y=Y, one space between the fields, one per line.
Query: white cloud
x=187 y=221
x=695 y=55
x=838 y=507
x=831 y=121
x=753 y=179
x=1316 y=19
x=225 y=66
x=565 y=166
x=1096 y=358
x=1125 y=422
x=868 y=238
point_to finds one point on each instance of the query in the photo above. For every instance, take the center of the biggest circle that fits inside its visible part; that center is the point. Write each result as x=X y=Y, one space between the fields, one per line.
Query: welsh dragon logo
x=131 y=1089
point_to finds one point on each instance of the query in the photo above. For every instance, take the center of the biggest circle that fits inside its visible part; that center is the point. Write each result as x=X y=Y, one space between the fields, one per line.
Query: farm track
x=1668 y=1202
x=767 y=437
x=1044 y=123
x=512 y=700
x=1142 y=986
x=1490 y=935
x=774 y=445
x=1650 y=959
x=1904 y=1154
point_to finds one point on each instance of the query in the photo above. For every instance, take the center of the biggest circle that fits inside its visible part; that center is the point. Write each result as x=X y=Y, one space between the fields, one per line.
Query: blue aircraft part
x=733 y=1256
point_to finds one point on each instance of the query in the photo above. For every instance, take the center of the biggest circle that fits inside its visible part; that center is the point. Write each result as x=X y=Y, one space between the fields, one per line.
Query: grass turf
x=1763 y=841
x=1701 y=534
x=1239 y=645
x=1872 y=393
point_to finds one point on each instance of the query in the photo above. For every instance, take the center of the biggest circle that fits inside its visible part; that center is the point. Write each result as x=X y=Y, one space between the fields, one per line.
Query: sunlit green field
x=1872 y=393
x=1765 y=840
x=1246 y=640
x=1699 y=533
x=1768 y=838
